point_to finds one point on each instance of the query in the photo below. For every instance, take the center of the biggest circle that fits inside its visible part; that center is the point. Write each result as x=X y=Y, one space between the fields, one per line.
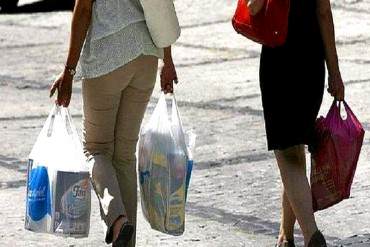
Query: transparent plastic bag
x=58 y=197
x=165 y=165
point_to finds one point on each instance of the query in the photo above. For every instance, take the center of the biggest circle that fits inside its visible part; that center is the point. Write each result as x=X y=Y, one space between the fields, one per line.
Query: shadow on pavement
x=263 y=226
x=41 y=6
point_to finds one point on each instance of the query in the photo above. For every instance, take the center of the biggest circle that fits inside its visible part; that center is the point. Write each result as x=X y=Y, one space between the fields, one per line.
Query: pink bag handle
x=334 y=113
x=334 y=110
x=350 y=113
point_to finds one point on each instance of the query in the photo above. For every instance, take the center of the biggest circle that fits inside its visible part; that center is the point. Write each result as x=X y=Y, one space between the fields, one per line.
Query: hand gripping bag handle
x=64 y=114
x=334 y=110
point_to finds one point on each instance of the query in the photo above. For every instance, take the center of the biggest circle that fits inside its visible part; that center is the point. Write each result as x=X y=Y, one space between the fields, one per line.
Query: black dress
x=292 y=79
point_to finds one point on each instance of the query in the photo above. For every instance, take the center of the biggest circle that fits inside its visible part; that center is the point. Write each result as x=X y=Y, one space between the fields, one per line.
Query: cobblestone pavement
x=234 y=196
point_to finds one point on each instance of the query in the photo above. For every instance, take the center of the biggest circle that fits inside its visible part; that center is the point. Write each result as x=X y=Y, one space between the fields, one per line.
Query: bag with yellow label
x=165 y=164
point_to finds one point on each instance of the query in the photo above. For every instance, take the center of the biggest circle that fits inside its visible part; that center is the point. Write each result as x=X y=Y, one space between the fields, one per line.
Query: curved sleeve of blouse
x=101 y=56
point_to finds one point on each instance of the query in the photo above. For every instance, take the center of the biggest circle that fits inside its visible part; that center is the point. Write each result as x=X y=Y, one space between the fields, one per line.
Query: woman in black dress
x=292 y=79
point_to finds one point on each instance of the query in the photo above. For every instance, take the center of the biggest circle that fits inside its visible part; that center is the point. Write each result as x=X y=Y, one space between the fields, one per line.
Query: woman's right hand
x=168 y=72
x=168 y=77
x=255 y=6
x=63 y=84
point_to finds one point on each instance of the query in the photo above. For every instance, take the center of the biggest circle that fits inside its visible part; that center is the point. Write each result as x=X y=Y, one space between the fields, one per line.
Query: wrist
x=334 y=74
x=70 y=70
x=167 y=58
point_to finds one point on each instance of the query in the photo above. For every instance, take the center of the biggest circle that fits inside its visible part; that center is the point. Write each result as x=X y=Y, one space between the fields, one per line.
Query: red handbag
x=269 y=27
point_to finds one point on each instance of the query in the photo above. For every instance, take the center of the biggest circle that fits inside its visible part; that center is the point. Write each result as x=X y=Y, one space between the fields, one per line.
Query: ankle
x=287 y=234
x=308 y=234
x=117 y=225
x=317 y=239
x=285 y=237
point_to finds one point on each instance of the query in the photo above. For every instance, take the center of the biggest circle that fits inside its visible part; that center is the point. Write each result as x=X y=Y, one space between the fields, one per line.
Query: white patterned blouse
x=117 y=35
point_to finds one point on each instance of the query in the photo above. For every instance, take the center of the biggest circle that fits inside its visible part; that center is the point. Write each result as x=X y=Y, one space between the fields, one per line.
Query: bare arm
x=325 y=19
x=80 y=24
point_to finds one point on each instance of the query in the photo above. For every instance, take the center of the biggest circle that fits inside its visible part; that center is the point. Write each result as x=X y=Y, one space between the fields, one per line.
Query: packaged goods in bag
x=164 y=168
x=58 y=185
x=72 y=203
x=334 y=159
x=38 y=208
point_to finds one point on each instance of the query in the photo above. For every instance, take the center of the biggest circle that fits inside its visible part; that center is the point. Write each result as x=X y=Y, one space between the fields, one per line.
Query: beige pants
x=113 y=107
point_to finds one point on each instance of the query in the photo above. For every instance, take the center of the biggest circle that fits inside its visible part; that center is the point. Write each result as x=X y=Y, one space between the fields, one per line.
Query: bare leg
x=291 y=162
x=287 y=220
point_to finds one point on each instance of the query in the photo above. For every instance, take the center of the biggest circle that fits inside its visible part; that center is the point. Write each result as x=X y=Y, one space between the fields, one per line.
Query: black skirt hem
x=280 y=147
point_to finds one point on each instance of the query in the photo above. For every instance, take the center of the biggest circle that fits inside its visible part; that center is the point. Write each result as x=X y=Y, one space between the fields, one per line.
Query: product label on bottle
x=38 y=193
x=72 y=203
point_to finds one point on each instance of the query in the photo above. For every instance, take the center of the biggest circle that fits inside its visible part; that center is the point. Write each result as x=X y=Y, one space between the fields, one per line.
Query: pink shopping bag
x=335 y=157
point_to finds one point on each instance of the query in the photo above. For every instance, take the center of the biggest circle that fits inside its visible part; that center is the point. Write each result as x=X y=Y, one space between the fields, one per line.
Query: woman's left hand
x=168 y=77
x=63 y=84
x=336 y=86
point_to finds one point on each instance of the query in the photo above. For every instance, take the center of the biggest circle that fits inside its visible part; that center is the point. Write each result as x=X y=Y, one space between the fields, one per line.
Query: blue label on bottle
x=188 y=176
x=39 y=201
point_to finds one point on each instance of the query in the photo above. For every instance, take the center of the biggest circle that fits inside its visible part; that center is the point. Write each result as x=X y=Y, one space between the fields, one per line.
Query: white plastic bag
x=58 y=186
x=164 y=169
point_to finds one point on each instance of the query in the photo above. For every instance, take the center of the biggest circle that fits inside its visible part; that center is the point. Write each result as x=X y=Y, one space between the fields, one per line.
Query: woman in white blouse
x=118 y=64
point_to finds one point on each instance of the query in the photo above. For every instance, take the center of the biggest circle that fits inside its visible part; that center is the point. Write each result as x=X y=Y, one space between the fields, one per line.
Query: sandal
x=286 y=243
x=124 y=236
x=317 y=240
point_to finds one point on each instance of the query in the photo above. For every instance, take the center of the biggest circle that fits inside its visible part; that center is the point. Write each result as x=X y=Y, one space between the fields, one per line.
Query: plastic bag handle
x=334 y=113
x=335 y=109
x=52 y=119
x=350 y=113
x=68 y=121
x=159 y=118
x=66 y=117
x=176 y=114
x=175 y=110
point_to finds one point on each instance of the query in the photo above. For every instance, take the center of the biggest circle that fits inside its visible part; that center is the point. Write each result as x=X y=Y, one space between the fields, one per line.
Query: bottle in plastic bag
x=38 y=209
x=71 y=215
